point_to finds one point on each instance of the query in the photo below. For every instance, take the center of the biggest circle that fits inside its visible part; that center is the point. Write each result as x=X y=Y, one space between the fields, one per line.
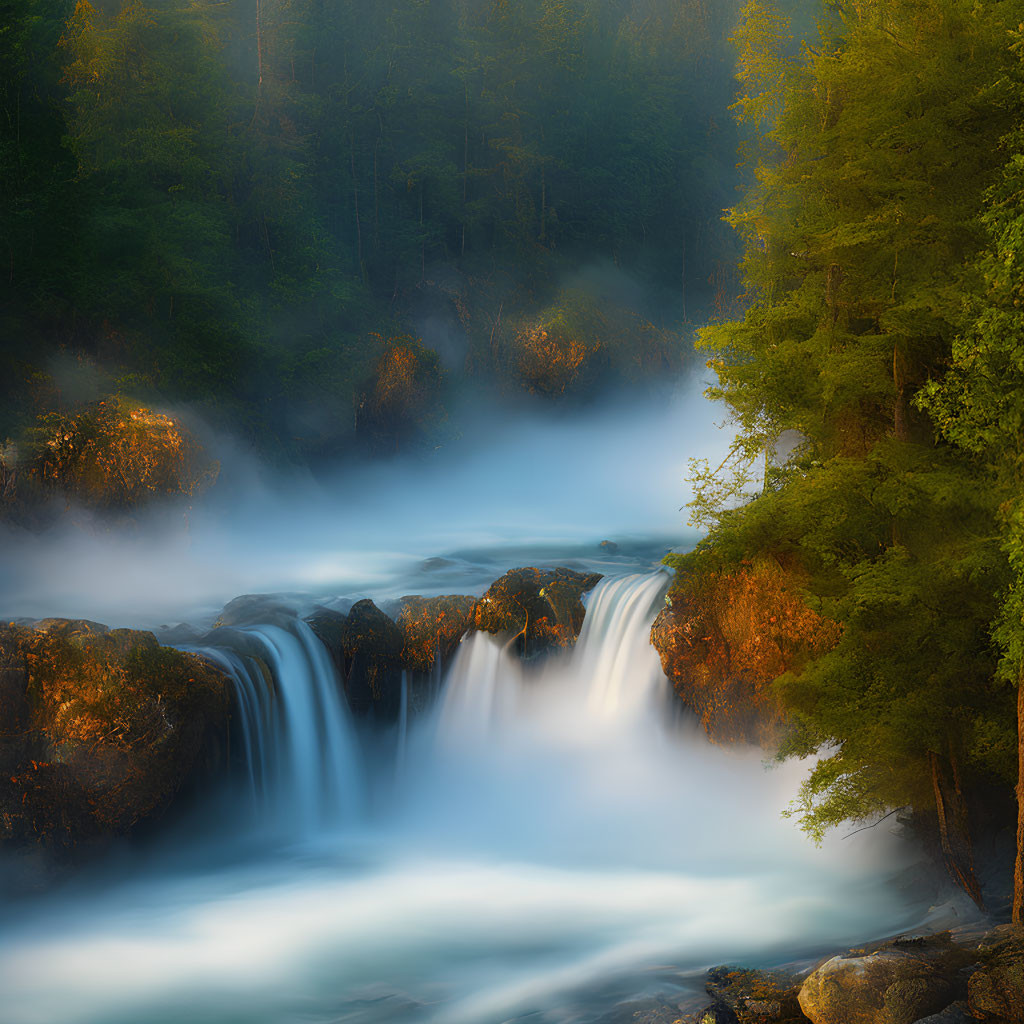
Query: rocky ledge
x=537 y=610
x=724 y=638
x=99 y=729
x=947 y=978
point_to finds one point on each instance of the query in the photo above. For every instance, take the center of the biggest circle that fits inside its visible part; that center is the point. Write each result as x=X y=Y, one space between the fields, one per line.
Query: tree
x=979 y=403
x=874 y=151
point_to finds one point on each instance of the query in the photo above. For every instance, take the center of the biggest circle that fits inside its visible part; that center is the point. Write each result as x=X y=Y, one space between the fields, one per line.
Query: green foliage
x=206 y=199
x=978 y=403
x=877 y=140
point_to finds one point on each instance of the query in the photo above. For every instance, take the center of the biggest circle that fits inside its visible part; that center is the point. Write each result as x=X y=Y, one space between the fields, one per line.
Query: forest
x=875 y=381
x=316 y=222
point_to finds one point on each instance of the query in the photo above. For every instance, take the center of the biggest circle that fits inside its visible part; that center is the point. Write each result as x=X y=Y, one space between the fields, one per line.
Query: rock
x=609 y=547
x=432 y=628
x=995 y=992
x=954 y=1014
x=256 y=610
x=540 y=607
x=755 y=997
x=329 y=626
x=372 y=649
x=725 y=637
x=717 y=1013
x=898 y=983
x=99 y=729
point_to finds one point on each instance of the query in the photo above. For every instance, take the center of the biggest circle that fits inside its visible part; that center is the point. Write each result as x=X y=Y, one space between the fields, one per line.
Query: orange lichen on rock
x=403 y=395
x=432 y=628
x=725 y=638
x=112 y=454
x=550 y=361
x=99 y=729
x=541 y=608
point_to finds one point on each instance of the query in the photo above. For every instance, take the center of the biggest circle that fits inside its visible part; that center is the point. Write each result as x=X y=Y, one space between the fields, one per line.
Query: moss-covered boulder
x=372 y=647
x=995 y=991
x=540 y=608
x=99 y=729
x=724 y=637
x=899 y=983
x=755 y=997
x=366 y=646
x=432 y=628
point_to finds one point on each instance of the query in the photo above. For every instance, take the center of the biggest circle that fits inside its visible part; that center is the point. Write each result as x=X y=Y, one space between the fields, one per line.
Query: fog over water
x=510 y=478
x=547 y=842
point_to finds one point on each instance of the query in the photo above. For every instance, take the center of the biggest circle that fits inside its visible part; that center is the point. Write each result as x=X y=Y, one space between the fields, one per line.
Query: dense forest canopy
x=882 y=241
x=247 y=206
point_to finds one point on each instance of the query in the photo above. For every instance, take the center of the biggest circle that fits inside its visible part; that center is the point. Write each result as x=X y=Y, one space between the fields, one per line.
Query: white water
x=303 y=770
x=548 y=847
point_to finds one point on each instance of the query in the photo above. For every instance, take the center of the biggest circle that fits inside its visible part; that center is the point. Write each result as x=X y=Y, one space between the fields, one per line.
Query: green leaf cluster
x=877 y=147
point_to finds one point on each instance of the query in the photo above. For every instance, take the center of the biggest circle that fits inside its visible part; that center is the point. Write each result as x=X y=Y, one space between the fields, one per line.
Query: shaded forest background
x=312 y=220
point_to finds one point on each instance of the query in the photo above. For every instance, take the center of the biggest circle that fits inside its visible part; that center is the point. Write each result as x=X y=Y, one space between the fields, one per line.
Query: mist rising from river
x=509 y=478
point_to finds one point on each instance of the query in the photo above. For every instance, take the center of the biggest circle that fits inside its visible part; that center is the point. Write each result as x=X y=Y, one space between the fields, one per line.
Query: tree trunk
x=1018 y=873
x=953 y=830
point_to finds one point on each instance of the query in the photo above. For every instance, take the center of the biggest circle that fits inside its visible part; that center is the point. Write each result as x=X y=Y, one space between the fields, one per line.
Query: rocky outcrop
x=936 y=979
x=366 y=646
x=899 y=983
x=540 y=608
x=99 y=729
x=755 y=997
x=432 y=628
x=723 y=639
x=373 y=661
x=995 y=991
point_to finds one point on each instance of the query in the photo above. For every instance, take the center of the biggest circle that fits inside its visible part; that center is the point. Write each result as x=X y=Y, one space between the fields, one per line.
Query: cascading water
x=548 y=849
x=300 y=748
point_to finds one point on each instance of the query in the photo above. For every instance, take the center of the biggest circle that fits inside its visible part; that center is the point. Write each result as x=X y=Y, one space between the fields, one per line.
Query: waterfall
x=480 y=689
x=547 y=850
x=609 y=681
x=301 y=752
x=614 y=662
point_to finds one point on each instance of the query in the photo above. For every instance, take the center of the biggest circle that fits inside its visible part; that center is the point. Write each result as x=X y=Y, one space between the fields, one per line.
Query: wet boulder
x=432 y=628
x=995 y=991
x=755 y=997
x=372 y=650
x=329 y=625
x=725 y=636
x=899 y=983
x=257 y=610
x=541 y=608
x=99 y=730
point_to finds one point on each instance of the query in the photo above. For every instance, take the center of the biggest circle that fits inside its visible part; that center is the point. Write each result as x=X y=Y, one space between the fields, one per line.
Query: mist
x=518 y=484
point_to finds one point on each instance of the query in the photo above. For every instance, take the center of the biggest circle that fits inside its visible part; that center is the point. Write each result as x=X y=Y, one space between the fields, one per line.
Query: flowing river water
x=543 y=843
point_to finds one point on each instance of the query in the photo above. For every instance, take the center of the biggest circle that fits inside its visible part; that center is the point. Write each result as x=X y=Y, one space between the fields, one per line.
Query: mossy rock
x=541 y=608
x=899 y=983
x=99 y=729
x=372 y=651
x=432 y=628
x=724 y=637
x=756 y=997
x=995 y=991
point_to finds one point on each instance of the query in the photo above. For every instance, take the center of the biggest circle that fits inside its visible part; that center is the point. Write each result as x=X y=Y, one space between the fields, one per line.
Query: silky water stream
x=545 y=841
